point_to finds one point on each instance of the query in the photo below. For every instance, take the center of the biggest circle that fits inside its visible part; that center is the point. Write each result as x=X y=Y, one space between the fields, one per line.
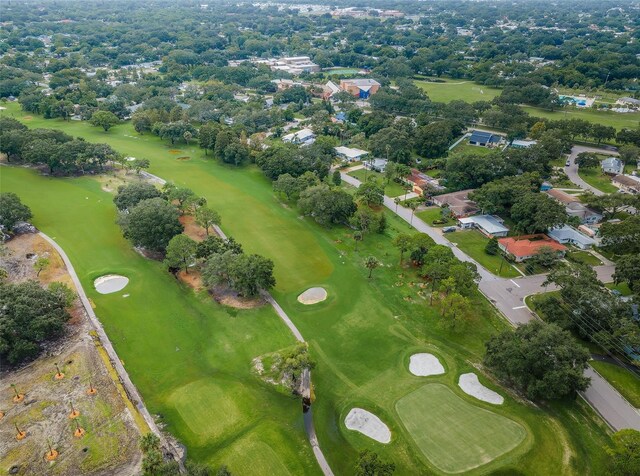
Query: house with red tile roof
x=522 y=248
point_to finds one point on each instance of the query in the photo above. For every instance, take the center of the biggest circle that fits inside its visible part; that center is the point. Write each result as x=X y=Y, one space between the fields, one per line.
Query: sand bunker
x=368 y=424
x=424 y=365
x=111 y=283
x=313 y=296
x=470 y=385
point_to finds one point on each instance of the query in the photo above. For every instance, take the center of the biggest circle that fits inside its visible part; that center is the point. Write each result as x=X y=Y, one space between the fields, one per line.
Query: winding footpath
x=508 y=296
x=130 y=388
x=133 y=391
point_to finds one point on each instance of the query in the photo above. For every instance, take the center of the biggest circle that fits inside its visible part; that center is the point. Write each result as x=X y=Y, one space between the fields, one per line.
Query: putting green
x=251 y=456
x=454 y=435
x=209 y=409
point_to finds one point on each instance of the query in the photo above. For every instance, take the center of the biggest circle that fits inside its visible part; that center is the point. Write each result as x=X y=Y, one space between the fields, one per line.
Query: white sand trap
x=368 y=424
x=111 y=283
x=424 y=365
x=470 y=385
x=313 y=296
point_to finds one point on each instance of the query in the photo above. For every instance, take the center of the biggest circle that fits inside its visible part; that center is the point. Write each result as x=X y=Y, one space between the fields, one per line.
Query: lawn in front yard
x=473 y=243
x=623 y=380
x=583 y=257
x=622 y=288
x=434 y=213
x=597 y=179
x=392 y=189
x=465 y=148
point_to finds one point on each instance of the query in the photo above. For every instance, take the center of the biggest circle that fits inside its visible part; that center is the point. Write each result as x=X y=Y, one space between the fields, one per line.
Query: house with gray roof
x=568 y=235
x=487 y=224
x=612 y=165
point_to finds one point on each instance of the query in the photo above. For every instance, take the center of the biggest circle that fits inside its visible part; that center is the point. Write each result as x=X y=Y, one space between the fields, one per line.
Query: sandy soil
x=110 y=283
x=192 y=229
x=424 y=365
x=470 y=385
x=368 y=424
x=313 y=296
x=109 y=445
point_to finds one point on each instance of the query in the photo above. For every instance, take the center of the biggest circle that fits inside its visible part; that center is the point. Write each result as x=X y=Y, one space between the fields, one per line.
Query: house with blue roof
x=485 y=139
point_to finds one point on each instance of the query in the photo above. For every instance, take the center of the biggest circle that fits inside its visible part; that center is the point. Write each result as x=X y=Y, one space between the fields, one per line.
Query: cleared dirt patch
x=193 y=230
x=368 y=424
x=186 y=157
x=424 y=365
x=175 y=151
x=470 y=385
x=111 y=283
x=313 y=296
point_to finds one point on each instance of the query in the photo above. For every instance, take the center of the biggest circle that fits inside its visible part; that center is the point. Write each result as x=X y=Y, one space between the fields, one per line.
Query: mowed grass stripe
x=454 y=435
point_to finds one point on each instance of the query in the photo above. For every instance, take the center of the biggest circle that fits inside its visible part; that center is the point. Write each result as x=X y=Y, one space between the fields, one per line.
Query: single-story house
x=303 y=136
x=612 y=165
x=627 y=183
x=573 y=207
x=484 y=139
x=568 y=235
x=584 y=213
x=420 y=182
x=627 y=101
x=349 y=154
x=487 y=224
x=458 y=203
x=523 y=144
x=376 y=164
x=525 y=247
x=360 y=88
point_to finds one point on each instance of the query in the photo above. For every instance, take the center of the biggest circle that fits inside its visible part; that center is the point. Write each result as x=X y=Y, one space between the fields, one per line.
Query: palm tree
x=357 y=236
x=413 y=206
x=397 y=201
x=371 y=263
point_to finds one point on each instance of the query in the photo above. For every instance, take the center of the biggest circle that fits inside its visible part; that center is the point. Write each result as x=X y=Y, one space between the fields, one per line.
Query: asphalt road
x=572 y=169
x=508 y=296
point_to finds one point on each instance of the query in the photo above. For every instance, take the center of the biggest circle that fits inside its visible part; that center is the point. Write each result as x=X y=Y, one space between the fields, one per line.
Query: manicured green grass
x=459 y=436
x=361 y=336
x=622 y=288
x=597 y=179
x=189 y=357
x=465 y=148
x=622 y=379
x=473 y=243
x=584 y=257
x=434 y=213
x=453 y=89
x=619 y=121
x=391 y=189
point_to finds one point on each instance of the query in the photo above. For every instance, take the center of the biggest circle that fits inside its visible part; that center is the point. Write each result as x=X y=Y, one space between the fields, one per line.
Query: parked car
x=567 y=163
x=449 y=229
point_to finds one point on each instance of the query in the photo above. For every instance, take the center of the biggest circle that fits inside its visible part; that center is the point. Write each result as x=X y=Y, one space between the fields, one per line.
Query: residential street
x=572 y=169
x=508 y=297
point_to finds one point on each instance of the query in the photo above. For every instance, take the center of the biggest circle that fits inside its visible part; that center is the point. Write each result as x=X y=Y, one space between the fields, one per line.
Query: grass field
x=459 y=436
x=392 y=189
x=584 y=257
x=622 y=379
x=189 y=357
x=595 y=178
x=361 y=336
x=453 y=89
x=465 y=148
x=434 y=213
x=473 y=243
x=619 y=121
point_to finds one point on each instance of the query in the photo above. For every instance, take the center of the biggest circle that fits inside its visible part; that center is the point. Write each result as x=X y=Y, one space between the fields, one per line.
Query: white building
x=349 y=154
x=568 y=235
x=303 y=136
x=487 y=224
